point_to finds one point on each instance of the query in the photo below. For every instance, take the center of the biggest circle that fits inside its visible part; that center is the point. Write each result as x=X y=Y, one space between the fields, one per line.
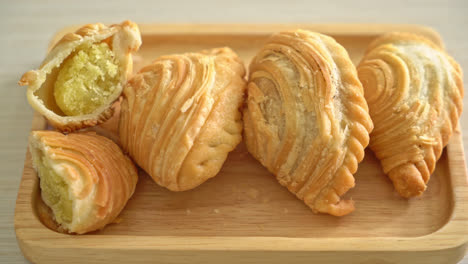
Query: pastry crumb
x=216 y=211
x=285 y=210
x=188 y=212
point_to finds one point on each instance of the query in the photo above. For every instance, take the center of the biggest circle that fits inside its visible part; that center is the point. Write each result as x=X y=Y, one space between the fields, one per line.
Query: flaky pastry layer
x=306 y=118
x=414 y=91
x=180 y=116
x=123 y=39
x=85 y=179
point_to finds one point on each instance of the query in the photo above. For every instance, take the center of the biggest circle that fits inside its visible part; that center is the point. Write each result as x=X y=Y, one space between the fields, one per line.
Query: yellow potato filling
x=87 y=79
x=55 y=193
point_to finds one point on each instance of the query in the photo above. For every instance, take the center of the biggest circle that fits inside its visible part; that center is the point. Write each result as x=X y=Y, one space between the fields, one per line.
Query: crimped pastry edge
x=359 y=134
x=125 y=40
x=416 y=175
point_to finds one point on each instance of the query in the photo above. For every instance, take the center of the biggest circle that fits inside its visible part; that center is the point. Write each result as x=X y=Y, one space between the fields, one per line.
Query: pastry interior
x=84 y=82
x=86 y=79
x=55 y=190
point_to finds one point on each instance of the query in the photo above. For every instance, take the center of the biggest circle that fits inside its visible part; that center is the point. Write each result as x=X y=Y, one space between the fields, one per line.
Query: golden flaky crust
x=124 y=39
x=100 y=177
x=306 y=118
x=180 y=116
x=414 y=91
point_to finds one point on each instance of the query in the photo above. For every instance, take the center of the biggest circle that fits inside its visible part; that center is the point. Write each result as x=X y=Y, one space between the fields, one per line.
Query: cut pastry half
x=85 y=179
x=414 y=91
x=180 y=116
x=306 y=119
x=83 y=75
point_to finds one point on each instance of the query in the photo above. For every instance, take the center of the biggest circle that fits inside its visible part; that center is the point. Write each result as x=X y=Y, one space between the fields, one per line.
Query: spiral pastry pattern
x=85 y=179
x=414 y=91
x=180 y=116
x=306 y=118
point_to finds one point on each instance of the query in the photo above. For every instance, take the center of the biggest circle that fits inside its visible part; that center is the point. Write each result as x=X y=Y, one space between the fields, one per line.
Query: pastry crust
x=123 y=39
x=414 y=91
x=180 y=116
x=306 y=118
x=99 y=178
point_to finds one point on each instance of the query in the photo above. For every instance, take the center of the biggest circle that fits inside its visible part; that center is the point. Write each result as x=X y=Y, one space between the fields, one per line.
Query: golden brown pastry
x=414 y=91
x=180 y=116
x=83 y=75
x=306 y=118
x=85 y=179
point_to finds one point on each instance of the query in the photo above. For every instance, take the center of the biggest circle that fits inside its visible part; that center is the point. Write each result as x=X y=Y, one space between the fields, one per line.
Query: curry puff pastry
x=83 y=75
x=414 y=91
x=180 y=116
x=84 y=178
x=306 y=118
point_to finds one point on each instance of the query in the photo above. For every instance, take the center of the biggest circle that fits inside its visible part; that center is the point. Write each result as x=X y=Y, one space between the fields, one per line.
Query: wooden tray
x=243 y=214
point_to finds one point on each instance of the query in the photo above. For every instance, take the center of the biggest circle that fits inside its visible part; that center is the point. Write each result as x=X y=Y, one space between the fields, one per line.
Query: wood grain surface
x=27 y=26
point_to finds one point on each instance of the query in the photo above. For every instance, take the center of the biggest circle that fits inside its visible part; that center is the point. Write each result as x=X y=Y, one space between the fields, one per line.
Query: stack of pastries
x=305 y=111
x=85 y=179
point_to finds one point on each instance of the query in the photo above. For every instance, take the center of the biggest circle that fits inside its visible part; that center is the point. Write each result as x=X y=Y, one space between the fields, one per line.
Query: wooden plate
x=243 y=214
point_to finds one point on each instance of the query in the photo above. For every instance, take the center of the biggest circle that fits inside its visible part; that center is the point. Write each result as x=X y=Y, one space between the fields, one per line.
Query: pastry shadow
x=244 y=199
